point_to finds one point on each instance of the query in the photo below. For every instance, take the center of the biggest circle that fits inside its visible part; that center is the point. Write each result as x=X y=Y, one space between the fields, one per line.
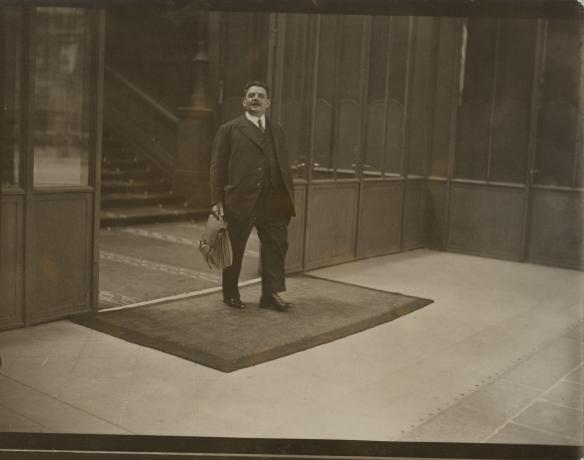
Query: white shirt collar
x=255 y=119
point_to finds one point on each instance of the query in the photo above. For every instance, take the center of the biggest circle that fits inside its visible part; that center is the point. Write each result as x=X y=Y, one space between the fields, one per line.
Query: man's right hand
x=217 y=209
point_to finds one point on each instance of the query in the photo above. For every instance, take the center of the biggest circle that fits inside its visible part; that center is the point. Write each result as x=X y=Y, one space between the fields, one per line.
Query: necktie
x=261 y=125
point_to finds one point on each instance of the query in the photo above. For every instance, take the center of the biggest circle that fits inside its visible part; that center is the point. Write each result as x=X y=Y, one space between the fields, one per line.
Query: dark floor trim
x=448 y=8
x=163 y=447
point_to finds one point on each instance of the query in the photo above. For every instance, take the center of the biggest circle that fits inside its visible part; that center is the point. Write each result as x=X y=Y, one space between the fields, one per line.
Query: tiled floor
x=145 y=262
x=496 y=358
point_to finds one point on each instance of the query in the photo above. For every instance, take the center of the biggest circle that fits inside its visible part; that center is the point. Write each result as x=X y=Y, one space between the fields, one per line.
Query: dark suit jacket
x=237 y=166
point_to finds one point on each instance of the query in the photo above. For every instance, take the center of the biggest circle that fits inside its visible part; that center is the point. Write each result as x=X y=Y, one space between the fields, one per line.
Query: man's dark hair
x=261 y=84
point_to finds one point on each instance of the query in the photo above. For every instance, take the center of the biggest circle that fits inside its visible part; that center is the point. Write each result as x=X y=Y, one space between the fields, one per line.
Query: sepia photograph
x=341 y=229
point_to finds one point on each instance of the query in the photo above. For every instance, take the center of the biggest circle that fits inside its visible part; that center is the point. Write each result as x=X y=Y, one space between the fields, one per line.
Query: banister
x=142 y=95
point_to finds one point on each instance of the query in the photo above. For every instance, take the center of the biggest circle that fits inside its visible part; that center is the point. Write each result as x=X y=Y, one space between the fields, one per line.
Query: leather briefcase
x=215 y=245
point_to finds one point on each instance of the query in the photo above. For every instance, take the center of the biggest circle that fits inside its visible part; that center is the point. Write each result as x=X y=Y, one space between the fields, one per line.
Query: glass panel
x=511 y=120
x=423 y=96
x=446 y=72
x=376 y=101
x=324 y=105
x=295 y=85
x=398 y=61
x=10 y=59
x=558 y=131
x=579 y=169
x=348 y=142
x=61 y=96
x=473 y=127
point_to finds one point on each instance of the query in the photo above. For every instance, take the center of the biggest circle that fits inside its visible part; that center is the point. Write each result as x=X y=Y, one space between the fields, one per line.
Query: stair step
x=117 y=146
x=129 y=163
x=114 y=155
x=112 y=143
x=150 y=214
x=134 y=191
x=127 y=174
x=139 y=186
x=139 y=199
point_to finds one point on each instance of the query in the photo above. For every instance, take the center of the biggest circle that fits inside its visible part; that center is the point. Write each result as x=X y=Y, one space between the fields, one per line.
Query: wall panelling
x=486 y=220
x=295 y=255
x=436 y=203
x=332 y=217
x=414 y=222
x=556 y=228
x=380 y=217
x=12 y=262
x=62 y=254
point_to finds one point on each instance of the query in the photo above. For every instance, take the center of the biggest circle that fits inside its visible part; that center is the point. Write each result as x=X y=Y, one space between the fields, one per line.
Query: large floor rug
x=204 y=330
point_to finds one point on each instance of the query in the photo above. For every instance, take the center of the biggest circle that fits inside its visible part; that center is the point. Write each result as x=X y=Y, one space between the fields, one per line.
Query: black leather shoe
x=234 y=302
x=274 y=302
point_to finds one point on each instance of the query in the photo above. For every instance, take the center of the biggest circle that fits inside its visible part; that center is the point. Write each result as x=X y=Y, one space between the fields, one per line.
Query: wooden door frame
x=538 y=70
x=2 y=116
x=97 y=35
x=27 y=129
x=95 y=153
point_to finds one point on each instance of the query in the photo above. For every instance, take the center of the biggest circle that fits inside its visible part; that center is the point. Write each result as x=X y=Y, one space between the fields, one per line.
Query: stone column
x=194 y=137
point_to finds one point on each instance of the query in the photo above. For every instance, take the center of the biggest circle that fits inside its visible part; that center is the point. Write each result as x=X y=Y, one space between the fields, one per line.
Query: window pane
x=10 y=59
x=377 y=97
x=421 y=102
x=448 y=53
x=347 y=145
x=324 y=105
x=295 y=84
x=61 y=96
x=511 y=120
x=398 y=60
x=473 y=126
x=558 y=136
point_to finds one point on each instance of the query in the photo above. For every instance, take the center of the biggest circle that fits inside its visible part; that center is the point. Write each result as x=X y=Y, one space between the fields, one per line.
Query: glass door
x=381 y=166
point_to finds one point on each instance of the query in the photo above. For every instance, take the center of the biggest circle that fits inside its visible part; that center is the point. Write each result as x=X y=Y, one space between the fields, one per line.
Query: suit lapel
x=251 y=131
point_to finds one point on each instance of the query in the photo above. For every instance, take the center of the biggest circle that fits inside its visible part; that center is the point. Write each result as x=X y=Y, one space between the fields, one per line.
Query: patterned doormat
x=204 y=330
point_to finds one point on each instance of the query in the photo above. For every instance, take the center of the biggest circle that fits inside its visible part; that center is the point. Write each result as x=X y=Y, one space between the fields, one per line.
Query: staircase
x=134 y=191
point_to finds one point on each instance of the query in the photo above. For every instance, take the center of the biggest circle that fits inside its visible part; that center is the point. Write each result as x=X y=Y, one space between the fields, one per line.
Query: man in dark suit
x=251 y=185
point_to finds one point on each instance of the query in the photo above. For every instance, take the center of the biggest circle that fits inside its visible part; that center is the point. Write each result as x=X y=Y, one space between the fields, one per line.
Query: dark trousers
x=271 y=219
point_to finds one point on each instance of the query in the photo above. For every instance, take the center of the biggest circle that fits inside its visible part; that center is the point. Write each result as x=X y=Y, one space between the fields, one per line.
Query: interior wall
x=518 y=145
x=556 y=210
x=485 y=129
x=12 y=261
x=470 y=113
x=361 y=112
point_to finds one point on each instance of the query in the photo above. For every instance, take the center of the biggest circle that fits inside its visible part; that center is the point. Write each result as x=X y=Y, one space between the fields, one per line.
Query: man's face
x=256 y=101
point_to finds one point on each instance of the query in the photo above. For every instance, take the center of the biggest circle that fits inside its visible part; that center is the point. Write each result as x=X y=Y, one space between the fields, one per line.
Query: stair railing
x=142 y=121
